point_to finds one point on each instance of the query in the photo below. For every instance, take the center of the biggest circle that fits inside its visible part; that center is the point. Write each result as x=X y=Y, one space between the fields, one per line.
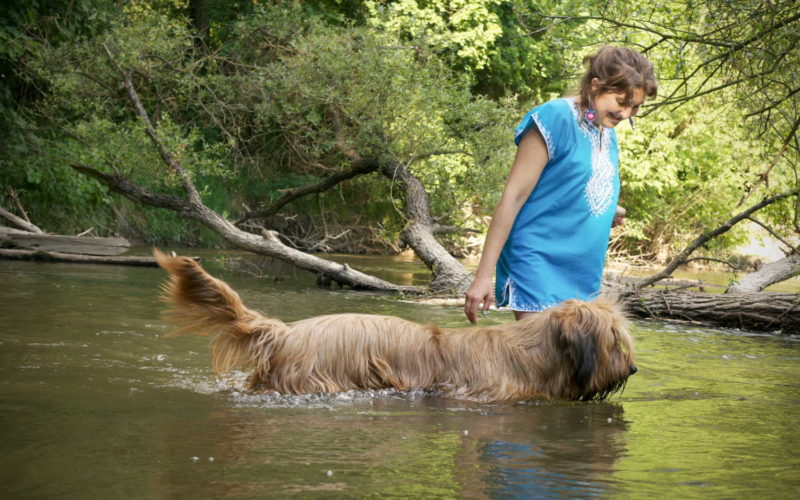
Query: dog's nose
x=633 y=369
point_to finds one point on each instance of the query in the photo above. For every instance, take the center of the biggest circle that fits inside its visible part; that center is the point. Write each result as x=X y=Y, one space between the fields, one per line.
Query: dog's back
x=346 y=351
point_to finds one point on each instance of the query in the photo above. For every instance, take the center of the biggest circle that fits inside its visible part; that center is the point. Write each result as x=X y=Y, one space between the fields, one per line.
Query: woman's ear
x=595 y=84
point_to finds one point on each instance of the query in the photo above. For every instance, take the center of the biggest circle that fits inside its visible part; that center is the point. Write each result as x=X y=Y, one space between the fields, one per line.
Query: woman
x=549 y=234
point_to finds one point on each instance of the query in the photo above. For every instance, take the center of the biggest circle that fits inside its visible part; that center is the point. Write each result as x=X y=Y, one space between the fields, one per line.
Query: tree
x=152 y=117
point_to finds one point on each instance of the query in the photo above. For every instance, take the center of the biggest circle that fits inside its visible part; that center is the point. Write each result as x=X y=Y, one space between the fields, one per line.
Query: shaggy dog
x=576 y=350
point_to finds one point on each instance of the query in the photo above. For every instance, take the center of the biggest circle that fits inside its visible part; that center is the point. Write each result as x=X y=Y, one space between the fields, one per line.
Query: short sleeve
x=554 y=120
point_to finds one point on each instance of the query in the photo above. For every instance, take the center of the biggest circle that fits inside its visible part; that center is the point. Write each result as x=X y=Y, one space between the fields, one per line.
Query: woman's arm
x=525 y=171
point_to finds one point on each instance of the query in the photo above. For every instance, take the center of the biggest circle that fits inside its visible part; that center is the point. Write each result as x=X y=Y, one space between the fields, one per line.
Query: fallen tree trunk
x=267 y=243
x=769 y=274
x=42 y=256
x=762 y=311
x=87 y=245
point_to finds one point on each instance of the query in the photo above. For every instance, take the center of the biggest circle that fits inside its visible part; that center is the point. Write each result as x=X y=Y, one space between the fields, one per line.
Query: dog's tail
x=203 y=305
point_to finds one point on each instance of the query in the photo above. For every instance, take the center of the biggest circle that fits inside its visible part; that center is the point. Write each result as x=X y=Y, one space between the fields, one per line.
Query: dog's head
x=595 y=347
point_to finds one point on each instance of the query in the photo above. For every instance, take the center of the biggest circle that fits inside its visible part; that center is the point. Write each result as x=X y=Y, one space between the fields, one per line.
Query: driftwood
x=761 y=311
x=42 y=256
x=14 y=238
x=766 y=312
x=266 y=243
x=19 y=222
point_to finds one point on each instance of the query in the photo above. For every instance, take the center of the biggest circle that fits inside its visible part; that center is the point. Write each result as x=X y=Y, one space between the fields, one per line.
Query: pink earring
x=590 y=114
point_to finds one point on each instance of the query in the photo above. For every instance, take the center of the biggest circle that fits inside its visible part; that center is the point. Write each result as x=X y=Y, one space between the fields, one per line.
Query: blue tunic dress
x=557 y=246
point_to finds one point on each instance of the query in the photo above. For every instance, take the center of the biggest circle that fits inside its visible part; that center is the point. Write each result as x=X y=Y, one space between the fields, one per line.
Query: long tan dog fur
x=576 y=350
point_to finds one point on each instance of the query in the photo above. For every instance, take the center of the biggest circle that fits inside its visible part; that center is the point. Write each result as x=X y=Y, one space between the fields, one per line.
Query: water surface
x=95 y=401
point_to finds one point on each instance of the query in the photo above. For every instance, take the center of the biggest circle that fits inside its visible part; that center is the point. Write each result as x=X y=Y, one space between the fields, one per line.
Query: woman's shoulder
x=561 y=107
x=552 y=119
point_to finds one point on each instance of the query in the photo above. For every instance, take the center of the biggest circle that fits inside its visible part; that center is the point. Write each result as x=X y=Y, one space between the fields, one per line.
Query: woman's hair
x=618 y=70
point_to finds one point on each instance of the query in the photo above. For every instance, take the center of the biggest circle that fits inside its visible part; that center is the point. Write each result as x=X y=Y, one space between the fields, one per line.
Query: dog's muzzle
x=633 y=370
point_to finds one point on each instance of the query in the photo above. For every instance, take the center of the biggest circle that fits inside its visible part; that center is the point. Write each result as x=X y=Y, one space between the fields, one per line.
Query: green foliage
x=280 y=95
x=682 y=174
x=53 y=195
x=322 y=91
x=496 y=43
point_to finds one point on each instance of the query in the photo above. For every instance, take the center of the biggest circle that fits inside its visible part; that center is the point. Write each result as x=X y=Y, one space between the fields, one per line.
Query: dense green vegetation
x=259 y=97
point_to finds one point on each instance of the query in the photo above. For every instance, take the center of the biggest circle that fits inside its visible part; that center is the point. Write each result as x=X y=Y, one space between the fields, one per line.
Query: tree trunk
x=750 y=311
x=769 y=274
x=448 y=273
x=200 y=22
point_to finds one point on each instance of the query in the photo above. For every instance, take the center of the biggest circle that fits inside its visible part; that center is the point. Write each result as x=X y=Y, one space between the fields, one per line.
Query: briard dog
x=576 y=350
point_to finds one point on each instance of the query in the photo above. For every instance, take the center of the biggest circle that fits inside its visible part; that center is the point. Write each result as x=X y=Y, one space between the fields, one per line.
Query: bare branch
x=360 y=167
x=150 y=129
x=693 y=38
x=774 y=104
x=712 y=259
x=444 y=229
x=15 y=198
x=775 y=235
x=764 y=176
x=132 y=191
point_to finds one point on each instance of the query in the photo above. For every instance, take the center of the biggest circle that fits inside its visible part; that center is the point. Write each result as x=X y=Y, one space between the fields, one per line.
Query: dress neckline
x=576 y=112
x=589 y=127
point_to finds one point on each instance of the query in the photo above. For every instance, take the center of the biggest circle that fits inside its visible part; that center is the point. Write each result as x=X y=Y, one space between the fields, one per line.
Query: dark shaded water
x=95 y=401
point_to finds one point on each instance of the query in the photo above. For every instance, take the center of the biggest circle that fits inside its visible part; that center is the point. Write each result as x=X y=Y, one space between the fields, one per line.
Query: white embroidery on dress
x=548 y=138
x=511 y=295
x=599 y=191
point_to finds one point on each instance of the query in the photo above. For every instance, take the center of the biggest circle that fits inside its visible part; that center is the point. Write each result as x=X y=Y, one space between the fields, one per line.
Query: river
x=98 y=402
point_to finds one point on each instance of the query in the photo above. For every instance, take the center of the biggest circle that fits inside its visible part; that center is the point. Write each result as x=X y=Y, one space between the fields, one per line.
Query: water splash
x=233 y=385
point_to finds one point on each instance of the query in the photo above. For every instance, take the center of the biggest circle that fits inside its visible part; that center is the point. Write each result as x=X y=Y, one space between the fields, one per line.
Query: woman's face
x=612 y=108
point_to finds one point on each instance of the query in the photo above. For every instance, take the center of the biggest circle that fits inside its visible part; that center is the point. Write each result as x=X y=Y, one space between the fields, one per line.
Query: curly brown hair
x=618 y=70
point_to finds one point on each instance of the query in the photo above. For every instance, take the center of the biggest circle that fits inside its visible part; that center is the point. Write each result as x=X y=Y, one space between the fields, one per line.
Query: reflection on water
x=96 y=401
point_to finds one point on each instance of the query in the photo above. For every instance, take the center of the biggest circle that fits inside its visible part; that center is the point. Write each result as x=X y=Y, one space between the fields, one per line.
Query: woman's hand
x=619 y=216
x=480 y=292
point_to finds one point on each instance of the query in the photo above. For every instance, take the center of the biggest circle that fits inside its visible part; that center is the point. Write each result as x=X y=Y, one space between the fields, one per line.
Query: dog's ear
x=582 y=351
x=576 y=342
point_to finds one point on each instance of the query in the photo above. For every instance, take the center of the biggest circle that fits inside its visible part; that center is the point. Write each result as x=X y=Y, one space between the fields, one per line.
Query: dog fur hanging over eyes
x=576 y=350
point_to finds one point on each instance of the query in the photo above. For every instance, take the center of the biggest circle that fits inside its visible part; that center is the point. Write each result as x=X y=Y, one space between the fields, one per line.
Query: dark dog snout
x=633 y=370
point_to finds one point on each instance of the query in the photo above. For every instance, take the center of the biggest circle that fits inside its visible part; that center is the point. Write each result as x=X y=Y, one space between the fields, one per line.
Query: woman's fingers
x=475 y=302
x=471 y=309
x=479 y=296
